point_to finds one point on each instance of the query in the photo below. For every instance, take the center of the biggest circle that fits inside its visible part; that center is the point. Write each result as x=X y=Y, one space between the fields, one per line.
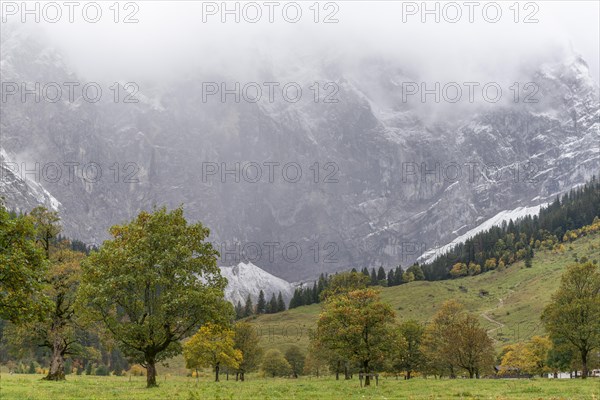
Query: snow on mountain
x=20 y=189
x=244 y=279
x=497 y=220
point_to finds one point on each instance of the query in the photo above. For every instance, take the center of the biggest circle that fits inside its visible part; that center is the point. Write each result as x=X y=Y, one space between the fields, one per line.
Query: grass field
x=30 y=387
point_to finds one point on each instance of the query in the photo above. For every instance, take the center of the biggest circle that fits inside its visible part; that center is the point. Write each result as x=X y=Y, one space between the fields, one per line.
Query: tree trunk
x=337 y=371
x=217 y=372
x=452 y=374
x=57 y=365
x=151 y=372
x=237 y=375
x=408 y=374
x=366 y=371
x=242 y=376
x=346 y=374
x=584 y=365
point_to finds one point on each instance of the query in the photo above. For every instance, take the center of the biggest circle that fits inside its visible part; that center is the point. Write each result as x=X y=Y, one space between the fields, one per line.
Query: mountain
x=247 y=279
x=373 y=201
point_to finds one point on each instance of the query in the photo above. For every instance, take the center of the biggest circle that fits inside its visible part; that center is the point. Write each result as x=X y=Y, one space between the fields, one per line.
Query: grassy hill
x=509 y=302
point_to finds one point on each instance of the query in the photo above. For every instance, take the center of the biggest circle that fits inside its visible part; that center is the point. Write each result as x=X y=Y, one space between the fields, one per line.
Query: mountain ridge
x=524 y=154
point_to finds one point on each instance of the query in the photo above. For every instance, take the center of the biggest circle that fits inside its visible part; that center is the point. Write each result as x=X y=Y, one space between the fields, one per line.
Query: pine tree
x=272 y=306
x=295 y=301
x=528 y=257
x=321 y=285
x=398 y=275
x=239 y=310
x=373 y=277
x=280 y=303
x=365 y=272
x=248 y=307
x=381 y=275
x=391 y=278
x=261 y=305
x=307 y=296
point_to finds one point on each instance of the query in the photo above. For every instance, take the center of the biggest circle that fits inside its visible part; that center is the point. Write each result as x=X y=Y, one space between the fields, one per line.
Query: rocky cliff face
x=380 y=181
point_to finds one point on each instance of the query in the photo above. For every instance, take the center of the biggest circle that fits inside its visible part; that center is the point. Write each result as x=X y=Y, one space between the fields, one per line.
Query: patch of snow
x=41 y=195
x=497 y=220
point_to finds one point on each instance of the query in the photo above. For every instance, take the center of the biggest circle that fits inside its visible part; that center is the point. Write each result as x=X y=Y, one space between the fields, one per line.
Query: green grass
x=510 y=311
x=30 y=387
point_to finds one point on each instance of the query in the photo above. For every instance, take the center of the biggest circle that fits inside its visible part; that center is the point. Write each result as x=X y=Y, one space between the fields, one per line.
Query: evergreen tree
x=398 y=275
x=297 y=299
x=381 y=275
x=248 y=307
x=321 y=284
x=261 y=305
x=528 y=257
x=239 y=310
x=280 y=303
x=272 y=306
x=373 y=277
x=307 y=296
x=391 y=278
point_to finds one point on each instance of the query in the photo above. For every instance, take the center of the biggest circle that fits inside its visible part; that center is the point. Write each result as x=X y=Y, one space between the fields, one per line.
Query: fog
x=176 y=39
x=171 y=38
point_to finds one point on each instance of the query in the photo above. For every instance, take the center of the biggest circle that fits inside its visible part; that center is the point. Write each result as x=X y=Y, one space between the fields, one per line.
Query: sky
x=175 y=38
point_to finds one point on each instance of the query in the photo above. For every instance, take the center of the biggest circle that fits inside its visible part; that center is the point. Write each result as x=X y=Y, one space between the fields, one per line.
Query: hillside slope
x=509 y=302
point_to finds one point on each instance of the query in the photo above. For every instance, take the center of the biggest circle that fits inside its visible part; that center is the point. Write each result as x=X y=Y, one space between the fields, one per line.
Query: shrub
x=274 y=364
x=101 y=370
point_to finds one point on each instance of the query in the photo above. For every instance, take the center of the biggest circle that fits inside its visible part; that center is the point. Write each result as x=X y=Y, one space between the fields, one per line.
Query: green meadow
x=31 y=387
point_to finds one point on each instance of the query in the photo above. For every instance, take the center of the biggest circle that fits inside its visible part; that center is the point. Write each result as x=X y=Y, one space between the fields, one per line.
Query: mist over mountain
x=360 y=171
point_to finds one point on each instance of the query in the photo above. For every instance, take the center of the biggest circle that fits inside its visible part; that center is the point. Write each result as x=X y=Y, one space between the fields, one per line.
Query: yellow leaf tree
x=530 y=357
x=454 y=339
x=357 y=326
x=539 y=347
x=212 y=346
x=517 y=357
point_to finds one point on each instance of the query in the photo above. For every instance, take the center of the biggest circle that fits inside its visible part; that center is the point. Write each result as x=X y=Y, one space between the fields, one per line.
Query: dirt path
x=499 y=325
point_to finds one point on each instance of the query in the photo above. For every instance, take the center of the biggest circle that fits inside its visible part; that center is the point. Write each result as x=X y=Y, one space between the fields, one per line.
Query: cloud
x=175 y=39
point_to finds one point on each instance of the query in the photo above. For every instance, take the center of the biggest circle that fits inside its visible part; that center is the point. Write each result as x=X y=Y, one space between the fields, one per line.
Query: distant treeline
x=307 y=295
x=275 y=305
x=503 y=245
